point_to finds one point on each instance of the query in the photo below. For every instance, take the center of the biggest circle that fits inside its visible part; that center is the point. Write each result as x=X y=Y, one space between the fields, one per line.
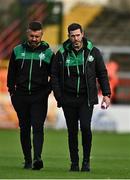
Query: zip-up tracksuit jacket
x=87 y=66
x=29 y=69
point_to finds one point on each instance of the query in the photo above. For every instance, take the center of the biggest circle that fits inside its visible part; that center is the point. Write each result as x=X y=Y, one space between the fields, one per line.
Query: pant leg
x=71 y=117
x=38 y=116
x=85 y=114
x=22 y=109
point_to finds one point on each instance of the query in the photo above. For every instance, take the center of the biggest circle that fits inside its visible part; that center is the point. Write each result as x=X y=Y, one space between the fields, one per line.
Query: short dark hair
x=74 y=26
x=35 y=25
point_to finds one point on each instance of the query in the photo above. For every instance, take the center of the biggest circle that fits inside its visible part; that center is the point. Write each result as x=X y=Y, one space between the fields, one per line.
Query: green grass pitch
x=110 y=157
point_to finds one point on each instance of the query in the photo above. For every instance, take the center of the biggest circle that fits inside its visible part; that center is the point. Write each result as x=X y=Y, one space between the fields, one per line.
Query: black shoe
x=37 y=164
x=74 y=167
x=27 y=165
x=85 y=166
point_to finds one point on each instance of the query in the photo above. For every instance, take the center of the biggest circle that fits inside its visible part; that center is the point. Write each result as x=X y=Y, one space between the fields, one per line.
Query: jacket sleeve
x=55 y=77
x=101 y=74
x=11 y=75
x=49 y=73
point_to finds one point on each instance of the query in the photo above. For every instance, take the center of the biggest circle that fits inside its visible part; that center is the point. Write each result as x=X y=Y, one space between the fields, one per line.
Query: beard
x=33 y=44
x=77 y=45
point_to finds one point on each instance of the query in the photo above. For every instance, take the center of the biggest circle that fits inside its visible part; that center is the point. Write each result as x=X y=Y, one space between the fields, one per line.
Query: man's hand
x=105 y=102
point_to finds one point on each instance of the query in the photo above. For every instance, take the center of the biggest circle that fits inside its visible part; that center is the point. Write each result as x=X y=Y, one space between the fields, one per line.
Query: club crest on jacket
x=90 y=58
x=42 y=56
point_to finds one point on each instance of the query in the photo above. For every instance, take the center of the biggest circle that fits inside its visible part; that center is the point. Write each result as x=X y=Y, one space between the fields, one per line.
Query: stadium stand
x=110 y=27
x=12 y=34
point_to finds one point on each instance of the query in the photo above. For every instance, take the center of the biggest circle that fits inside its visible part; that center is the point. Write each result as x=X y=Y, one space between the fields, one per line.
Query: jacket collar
x=67 y=45
x=43 y=46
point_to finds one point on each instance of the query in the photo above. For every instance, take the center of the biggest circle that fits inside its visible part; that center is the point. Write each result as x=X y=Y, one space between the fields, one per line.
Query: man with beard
x=29 y=86
x=75 y=69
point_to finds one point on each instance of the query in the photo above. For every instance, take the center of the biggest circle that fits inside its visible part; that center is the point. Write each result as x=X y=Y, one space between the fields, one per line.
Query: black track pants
x=74 y=114
x=31 y=111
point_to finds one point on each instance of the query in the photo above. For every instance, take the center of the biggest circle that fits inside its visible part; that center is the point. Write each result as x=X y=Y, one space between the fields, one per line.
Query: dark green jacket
x=29 y=69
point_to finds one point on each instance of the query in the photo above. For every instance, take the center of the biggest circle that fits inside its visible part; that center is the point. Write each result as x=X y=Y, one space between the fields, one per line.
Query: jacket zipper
x=63 y=69
x=78 y=83
x=78 y=73
x=30 y=74
x=86 y=78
